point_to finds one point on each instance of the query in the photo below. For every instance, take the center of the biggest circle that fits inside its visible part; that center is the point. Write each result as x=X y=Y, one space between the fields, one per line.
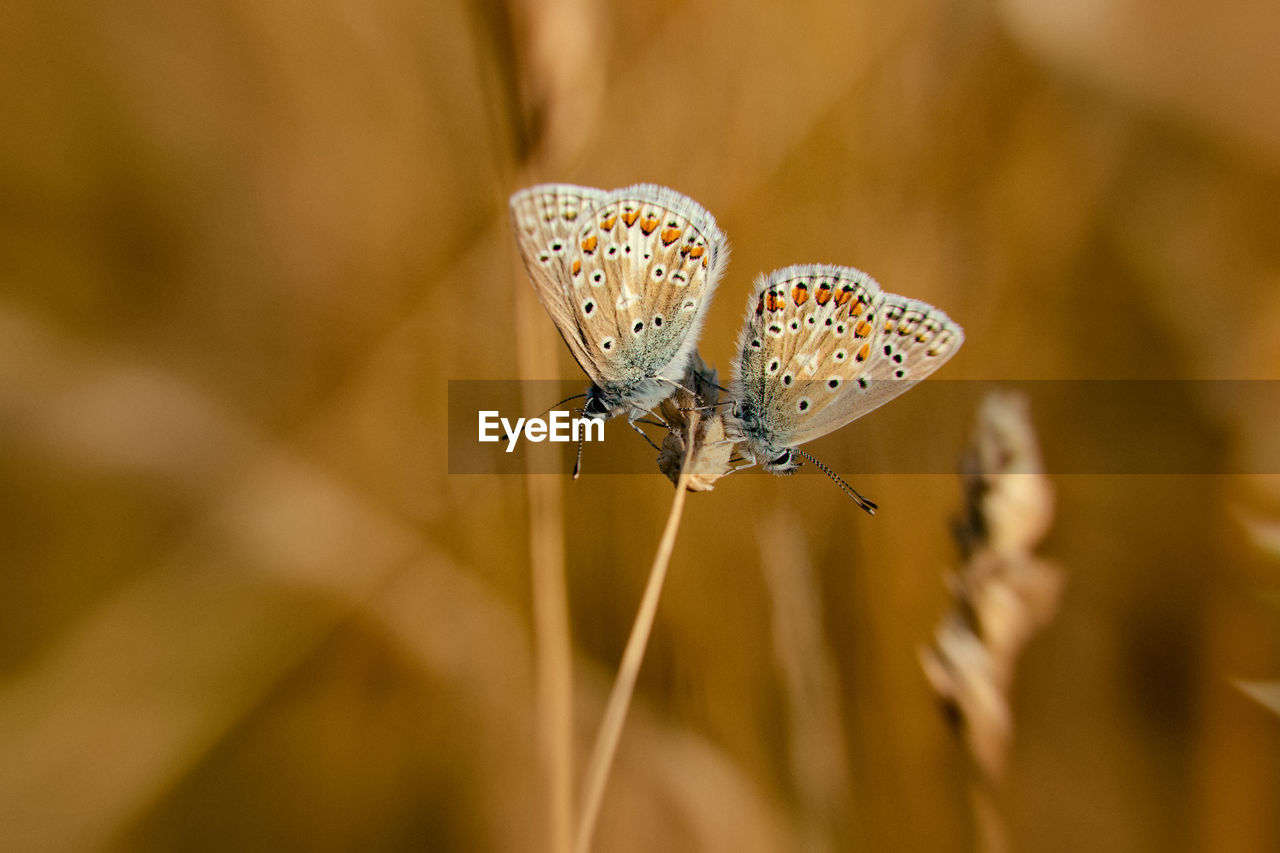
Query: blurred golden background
x=245 y=245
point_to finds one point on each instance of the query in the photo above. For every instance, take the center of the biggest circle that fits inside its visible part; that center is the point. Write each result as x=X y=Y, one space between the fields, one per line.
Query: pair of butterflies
x=627 y=276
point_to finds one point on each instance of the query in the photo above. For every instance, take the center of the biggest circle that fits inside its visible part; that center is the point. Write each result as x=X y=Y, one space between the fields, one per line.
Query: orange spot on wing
x=670 y=235
x=864 y=353
x=888 y=325
x=609 y=221
x=577 y=266
x=800 y=294
x=844 y=295
x=864 y=329
x=858 y=308
x=630 y=216
x=823 y=296
x=648 y=224
x=589 y=244
x=696 y=252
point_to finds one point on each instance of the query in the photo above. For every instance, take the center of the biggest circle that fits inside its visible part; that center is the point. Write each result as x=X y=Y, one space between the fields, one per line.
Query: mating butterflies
x=627 y=276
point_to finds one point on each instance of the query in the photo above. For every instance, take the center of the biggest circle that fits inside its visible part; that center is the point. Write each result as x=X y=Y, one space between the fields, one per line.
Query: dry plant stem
x=991 y=832
x=553 y=651
x=615 y=712
x=552 y=648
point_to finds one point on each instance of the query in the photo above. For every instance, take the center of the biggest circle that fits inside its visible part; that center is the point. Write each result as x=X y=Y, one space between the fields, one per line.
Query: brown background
x=245 y=244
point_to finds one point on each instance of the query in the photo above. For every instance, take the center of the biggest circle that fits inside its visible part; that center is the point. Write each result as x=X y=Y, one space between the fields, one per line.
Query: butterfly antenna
x=869 y=506
x=506 y=436
x=562 y=402
x=577 y=463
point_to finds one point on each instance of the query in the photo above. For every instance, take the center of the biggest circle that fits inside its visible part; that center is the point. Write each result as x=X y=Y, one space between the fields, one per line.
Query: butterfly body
x=822 y=346
x=627 y=276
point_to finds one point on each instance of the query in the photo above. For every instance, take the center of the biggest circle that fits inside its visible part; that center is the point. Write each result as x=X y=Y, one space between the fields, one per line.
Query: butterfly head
x=598 y=404
x=754 y=432
x=785 y=462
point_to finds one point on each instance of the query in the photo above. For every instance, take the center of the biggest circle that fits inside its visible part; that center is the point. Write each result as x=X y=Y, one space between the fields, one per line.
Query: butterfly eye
x=595 y=408
x=783 y=459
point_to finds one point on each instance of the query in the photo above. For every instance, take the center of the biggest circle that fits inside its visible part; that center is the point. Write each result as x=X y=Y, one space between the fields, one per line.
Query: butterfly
x=627 y=276
x=821 y=346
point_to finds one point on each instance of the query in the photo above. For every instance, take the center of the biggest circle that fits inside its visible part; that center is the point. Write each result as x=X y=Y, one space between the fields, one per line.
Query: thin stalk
x=553 y=653
x=615 y=713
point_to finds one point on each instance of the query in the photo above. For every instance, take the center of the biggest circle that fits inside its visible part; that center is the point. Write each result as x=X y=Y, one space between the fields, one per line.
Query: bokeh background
x=244 y=245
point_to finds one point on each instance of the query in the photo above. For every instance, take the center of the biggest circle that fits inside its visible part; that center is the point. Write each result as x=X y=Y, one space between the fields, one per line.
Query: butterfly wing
x=646 y=262
x=626 y=275
x=823 y=345
x=545 y=219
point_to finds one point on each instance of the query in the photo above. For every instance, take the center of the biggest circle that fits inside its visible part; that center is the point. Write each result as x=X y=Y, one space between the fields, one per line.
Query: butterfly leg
x=643 y=435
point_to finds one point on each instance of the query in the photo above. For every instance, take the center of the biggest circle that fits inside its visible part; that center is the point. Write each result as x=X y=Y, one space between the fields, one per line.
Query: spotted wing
x=644 y=265
x=546 y=219
x=823 y=345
